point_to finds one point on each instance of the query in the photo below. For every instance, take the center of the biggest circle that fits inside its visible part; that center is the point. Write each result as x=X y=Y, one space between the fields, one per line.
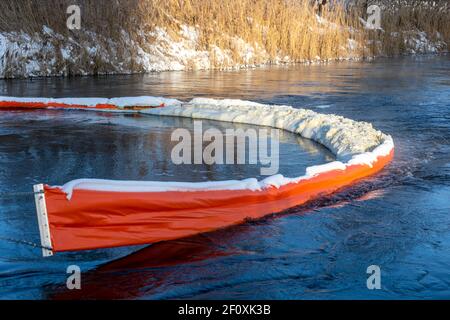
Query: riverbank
x=153 y=35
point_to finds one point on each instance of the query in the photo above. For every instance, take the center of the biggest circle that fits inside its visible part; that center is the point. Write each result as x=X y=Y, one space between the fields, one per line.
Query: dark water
x=398 y=220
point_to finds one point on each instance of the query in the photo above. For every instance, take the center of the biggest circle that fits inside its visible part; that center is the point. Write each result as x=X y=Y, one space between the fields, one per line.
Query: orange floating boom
x=114 y=104
x=100 y=219
x=103 y=214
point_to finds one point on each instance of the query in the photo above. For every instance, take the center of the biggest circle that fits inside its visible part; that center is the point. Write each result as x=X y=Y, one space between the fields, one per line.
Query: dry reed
x=278 y=28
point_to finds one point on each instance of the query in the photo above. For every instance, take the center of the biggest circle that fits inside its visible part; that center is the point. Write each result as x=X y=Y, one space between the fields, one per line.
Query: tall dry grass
x=106 y=17
x=278 y=28
x=287 y=27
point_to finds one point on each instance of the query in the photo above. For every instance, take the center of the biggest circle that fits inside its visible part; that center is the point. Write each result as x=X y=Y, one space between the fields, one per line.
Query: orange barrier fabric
x=101 y=219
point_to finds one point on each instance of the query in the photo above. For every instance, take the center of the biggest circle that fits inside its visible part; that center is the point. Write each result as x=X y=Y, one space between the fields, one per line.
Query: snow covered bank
x=153 y=35
x=48 y=53
x=52 y=54
x=420 y=42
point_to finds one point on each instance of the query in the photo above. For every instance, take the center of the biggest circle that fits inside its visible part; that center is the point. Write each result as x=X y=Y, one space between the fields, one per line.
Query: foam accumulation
x=353 y=142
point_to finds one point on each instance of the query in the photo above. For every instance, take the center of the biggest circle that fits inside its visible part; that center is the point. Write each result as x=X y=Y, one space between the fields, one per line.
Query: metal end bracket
x=41 y=210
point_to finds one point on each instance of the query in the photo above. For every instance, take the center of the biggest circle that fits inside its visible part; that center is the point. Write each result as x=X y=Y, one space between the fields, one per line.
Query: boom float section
x=114 y=104
x=92 y=213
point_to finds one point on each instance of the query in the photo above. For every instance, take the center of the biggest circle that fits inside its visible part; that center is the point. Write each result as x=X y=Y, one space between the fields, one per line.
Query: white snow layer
x=351 y=141
x=50 y=54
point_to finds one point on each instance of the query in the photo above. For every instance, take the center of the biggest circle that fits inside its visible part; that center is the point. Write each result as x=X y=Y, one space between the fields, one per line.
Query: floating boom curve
x=91 y=213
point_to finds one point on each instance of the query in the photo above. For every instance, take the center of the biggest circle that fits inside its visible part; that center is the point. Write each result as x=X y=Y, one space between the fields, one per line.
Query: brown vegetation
x=278 y=28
